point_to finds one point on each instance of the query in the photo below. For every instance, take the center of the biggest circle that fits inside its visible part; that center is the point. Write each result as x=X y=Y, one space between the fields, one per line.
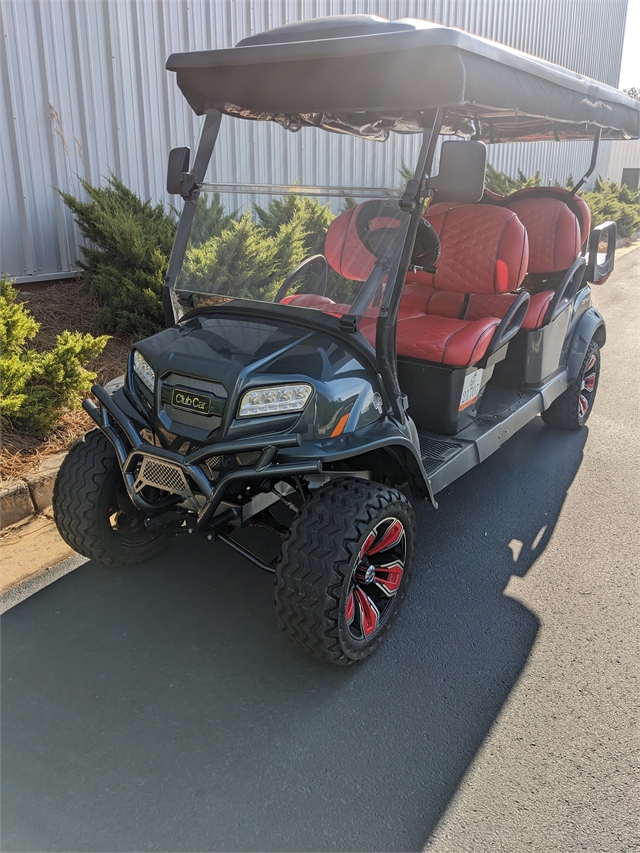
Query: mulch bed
x=60 y=306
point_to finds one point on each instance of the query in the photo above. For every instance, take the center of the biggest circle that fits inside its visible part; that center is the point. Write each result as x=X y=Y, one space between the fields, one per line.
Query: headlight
x=143 y=370
x=278 y=399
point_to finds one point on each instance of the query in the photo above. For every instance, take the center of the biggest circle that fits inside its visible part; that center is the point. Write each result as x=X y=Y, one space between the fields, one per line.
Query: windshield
x=330 y=249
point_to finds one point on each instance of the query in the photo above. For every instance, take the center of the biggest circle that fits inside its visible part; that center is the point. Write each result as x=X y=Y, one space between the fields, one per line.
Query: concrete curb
x=38 y=581
x=32 y=495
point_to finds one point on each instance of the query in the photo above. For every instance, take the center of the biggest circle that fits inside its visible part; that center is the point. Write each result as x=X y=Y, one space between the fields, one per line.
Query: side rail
x=600 y=264
x=567 y=289
x=510 y=324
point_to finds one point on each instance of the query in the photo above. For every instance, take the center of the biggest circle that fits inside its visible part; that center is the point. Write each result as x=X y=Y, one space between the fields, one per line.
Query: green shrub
x=609 y=200
x=244 y=252
x=126 y=266
x=37 y=386
x=309 y=216
x=501 y=183
x=210 y=219
x=259 y=254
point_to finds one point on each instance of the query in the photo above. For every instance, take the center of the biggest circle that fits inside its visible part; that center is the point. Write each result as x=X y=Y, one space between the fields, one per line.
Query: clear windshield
x=318 y=248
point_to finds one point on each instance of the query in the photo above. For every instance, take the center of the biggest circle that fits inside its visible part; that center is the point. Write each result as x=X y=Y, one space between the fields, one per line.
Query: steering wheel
x=377 y=241
x=306 y=266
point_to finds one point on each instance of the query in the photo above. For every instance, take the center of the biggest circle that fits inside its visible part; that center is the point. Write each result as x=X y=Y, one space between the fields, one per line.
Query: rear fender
x=590 y=328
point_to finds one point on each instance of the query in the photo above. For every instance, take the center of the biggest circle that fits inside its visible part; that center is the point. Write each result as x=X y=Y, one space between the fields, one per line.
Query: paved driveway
x=160 y=708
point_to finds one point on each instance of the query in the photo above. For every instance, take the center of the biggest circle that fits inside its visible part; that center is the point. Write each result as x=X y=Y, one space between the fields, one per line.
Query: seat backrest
x=484 y=249
x=557 y=222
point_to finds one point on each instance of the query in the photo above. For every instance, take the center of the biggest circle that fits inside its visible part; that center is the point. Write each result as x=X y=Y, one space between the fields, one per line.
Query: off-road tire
x=318 y=561
x=83 y=497
x=567 y=412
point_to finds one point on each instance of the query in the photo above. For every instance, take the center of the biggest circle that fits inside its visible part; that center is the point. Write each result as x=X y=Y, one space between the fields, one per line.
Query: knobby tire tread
x=316 y=557
x=564 y=412
x=76 y=494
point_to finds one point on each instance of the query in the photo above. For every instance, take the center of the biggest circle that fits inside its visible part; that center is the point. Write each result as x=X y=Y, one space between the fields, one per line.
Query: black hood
x=223 y=356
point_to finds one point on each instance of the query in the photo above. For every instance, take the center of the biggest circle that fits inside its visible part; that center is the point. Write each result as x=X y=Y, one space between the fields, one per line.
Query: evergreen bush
x=609 y=200
x=126 y=266
x=37 y=386
x=257 y=254
x=501 y=183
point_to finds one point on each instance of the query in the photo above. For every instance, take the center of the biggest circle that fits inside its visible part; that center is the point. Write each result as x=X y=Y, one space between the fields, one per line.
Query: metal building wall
x=84 y=91
x=622 y=155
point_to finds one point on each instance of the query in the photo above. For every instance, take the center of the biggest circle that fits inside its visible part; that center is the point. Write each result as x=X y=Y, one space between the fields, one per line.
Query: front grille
x=162 y=475
x=209 y=386
x=213 y=389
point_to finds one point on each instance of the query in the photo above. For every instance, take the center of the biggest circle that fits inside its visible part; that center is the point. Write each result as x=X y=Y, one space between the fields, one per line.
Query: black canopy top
x=366 y=76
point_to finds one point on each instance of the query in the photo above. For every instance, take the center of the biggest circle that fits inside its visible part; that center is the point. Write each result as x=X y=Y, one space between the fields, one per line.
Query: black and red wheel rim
x=588 y=384
x=376 y=579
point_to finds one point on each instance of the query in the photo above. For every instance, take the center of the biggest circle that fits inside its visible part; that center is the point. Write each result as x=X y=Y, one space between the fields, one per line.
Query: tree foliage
x=125 y=267
x=609 y=200
x=250 y=257
x=501 y=183
x=38 y=386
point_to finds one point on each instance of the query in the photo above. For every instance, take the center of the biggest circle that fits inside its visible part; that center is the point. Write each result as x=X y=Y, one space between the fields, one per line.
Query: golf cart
x=426 y=326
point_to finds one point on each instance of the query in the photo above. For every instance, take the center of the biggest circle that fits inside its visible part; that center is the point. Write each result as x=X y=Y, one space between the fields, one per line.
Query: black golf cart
x=425 y=327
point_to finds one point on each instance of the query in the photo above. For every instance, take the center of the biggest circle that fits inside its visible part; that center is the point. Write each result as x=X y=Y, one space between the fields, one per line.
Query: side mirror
x=178 y=165
x=602 y=252
x=461 y=174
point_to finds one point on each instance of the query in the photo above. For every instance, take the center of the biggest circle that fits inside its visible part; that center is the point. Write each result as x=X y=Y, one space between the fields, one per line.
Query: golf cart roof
x=366 y=76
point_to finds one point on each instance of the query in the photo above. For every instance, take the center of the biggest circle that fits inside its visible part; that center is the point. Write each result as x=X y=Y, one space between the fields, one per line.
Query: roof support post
x=592 y=164
x=387 y=319
x=203 y=155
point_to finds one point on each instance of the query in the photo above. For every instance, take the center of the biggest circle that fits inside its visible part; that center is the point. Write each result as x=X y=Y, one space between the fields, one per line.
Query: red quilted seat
x=484 y=249
x=484 y=252
x=457 y=343
x=537 y=210
x=556 y=232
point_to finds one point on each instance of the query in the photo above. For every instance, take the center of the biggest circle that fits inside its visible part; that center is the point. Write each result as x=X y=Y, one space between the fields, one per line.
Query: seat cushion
x=553 y=230
x=484 y=249
x=456 y=343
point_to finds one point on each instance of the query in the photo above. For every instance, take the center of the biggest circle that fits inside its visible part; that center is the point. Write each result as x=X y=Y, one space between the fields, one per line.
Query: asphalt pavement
x=159 y=708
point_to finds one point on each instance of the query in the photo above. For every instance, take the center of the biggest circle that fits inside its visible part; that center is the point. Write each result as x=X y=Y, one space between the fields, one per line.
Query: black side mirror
x=602 y=252
x=461 y=174
x=178 y=165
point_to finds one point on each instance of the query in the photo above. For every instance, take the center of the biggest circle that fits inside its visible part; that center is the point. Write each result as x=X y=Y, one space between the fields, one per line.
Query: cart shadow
x=160 y=708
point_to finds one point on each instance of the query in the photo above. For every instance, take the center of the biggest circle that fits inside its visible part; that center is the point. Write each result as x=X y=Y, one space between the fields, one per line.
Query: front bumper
x=131 y=450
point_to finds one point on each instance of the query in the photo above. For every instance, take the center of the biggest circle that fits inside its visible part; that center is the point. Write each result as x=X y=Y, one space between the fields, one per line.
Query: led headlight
x=143 y=370
x=276 y=400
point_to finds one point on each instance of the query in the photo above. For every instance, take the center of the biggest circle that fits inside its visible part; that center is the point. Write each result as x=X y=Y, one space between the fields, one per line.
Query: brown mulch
x=58 y=307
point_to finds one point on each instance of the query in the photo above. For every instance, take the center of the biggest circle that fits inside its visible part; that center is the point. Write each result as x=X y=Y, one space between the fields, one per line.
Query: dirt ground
x=60 y=306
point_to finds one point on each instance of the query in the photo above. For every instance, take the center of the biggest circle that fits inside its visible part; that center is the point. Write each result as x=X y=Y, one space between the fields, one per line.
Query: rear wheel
x=93 y=512
x=572 y=408
x=344 y=569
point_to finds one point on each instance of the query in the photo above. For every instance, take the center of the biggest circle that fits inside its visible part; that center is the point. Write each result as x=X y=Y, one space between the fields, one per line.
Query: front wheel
x=344 y=569
x=573 y=406
x=93 y=511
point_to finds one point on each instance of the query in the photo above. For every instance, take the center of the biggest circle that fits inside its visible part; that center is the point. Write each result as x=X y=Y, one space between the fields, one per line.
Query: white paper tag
x=470 y=389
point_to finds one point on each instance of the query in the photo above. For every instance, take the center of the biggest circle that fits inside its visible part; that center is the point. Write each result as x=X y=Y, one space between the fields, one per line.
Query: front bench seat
x=484 y=251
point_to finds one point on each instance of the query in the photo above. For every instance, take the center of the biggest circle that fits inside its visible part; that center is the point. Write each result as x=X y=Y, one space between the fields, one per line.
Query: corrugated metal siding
x=624 y=155
x=84 y=91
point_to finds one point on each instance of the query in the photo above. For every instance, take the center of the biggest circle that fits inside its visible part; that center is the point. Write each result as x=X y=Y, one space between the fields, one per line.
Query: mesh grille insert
x=163 y=476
